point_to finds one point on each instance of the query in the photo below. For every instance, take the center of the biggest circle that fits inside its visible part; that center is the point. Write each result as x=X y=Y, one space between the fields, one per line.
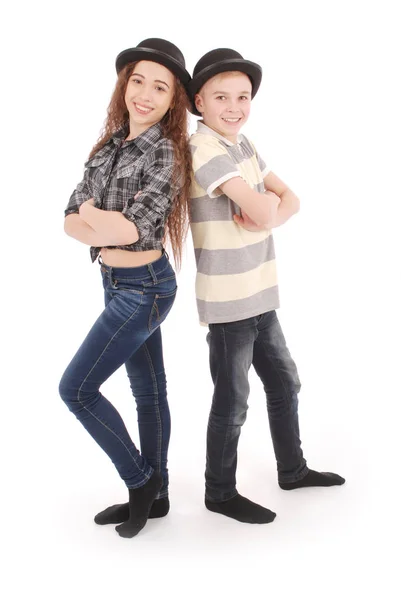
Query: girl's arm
x=77 y=228
x=109 y=224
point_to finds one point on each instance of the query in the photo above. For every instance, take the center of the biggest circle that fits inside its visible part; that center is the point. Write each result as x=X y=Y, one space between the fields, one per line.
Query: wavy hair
x=174 y=127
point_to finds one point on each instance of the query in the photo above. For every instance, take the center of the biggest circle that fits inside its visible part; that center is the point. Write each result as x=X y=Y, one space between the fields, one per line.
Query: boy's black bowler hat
x=220 y=61
x=159 y=51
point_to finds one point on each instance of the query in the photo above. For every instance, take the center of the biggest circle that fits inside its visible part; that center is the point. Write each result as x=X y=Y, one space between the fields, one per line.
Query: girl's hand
x=83 y=206
x=246 y=222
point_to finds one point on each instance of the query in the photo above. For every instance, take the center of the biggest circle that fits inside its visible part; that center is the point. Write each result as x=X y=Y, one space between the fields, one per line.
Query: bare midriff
x=116 y=257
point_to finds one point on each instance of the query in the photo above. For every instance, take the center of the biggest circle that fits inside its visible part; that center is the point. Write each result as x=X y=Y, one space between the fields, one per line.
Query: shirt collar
x=144 y=141
x=202 y=128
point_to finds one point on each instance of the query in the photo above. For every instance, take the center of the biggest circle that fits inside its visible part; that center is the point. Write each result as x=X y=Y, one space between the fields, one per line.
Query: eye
x=160 y=89
x=244 y=98
x=220 y=97
x=135 y=80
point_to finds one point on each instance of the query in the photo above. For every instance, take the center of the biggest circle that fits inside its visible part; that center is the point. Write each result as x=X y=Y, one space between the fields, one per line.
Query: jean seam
x=143 y=481
x=288 y=404
x=90 y=371
x=156 y=403
x=230 y=408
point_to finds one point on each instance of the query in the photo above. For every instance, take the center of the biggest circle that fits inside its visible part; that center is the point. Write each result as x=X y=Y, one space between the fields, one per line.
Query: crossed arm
x=262 y=211
x=96 y=227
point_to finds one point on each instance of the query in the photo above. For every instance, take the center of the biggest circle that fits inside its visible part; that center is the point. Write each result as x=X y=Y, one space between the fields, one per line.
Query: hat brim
x=253 y=70
x=136 y=54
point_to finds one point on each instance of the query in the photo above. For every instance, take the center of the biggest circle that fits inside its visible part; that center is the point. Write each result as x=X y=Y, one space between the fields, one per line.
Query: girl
x=133 y=194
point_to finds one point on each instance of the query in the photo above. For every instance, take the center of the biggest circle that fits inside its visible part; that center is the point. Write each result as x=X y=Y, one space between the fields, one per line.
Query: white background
x=327 y=121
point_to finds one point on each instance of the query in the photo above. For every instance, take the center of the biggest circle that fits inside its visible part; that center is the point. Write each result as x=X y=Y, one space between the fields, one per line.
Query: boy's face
x=225 y=103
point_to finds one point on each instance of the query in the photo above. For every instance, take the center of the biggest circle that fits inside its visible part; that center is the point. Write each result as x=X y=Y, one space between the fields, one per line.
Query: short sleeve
x=212 y=164
x=262 y=165
x=150 y=209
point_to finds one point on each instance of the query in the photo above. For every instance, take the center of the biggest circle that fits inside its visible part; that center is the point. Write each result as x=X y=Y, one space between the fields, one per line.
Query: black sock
x=242 y=509
x=140 y=502
x=118 y=513
x=314 y=479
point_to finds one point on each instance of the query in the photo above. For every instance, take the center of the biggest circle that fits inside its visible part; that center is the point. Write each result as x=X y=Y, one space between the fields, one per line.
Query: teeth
x=231 y=120
x=143 y=108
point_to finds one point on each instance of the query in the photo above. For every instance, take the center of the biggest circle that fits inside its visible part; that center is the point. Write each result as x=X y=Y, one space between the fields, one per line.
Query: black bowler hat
x=156 y=50
x=219 y=61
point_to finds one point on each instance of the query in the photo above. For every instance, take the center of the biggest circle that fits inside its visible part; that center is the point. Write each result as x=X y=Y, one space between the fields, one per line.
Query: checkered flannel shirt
x=119 y=170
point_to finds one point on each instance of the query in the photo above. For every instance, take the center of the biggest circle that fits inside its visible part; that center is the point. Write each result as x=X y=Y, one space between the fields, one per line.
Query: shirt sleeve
x=262 y=165
x=212 y=165
x=78 y=196
x=152 y=206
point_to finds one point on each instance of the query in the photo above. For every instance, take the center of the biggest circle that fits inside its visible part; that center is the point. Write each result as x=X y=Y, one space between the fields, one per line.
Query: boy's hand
x=246 y=222
x=273 y=197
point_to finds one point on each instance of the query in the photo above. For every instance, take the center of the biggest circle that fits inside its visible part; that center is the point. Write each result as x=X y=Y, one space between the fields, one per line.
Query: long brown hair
x=174 y=127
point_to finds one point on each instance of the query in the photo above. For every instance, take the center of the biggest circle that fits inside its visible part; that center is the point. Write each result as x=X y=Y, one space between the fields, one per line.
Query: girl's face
x=149 y=95
x=225 y=103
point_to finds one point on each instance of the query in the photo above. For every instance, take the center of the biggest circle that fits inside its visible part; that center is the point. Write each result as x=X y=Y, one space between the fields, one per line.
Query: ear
x=198 y=100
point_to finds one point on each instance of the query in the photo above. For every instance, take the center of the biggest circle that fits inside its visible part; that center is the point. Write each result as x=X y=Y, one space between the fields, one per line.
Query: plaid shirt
x=121 y=169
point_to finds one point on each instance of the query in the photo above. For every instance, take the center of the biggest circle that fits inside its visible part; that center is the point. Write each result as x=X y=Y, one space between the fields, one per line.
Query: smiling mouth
x=142 y=110
x=231 y=120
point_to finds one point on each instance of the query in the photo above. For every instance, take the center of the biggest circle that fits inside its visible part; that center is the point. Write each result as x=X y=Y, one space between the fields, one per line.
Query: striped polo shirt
x=236 y=269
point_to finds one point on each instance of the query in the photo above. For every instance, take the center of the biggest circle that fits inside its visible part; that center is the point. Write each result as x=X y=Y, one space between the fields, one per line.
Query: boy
x=235 y=203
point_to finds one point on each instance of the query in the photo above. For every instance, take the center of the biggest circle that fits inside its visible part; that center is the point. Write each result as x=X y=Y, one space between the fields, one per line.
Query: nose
x=145 y=94
x=232 y=106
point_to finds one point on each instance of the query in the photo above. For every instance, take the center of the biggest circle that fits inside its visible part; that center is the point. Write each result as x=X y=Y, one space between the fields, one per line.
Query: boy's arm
x=216 y=172
x=289 y=202
x=287 y=207
x=261 y=208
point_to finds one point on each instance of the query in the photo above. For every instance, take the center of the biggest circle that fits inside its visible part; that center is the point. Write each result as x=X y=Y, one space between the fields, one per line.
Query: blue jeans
x=234 y=347
x=127 y=332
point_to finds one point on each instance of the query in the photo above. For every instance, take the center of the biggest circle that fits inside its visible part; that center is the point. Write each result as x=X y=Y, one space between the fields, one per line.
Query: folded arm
x=93 y=226
x=109 y=224
x=289 y=202
x=287 y=206
x=77 y=228
x=261 y=208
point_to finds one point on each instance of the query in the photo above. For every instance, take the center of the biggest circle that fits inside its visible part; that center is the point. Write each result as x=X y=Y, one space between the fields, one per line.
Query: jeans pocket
x=161 y=307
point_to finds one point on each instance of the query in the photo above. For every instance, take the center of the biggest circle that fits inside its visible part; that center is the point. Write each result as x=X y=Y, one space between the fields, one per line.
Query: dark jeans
x=234 y=347
x=127 y=332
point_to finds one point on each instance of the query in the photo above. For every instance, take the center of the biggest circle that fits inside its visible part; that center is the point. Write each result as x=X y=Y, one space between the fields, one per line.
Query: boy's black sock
x=314 y=479
x=118 y=513
x=140 y=502
x=242 y=509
